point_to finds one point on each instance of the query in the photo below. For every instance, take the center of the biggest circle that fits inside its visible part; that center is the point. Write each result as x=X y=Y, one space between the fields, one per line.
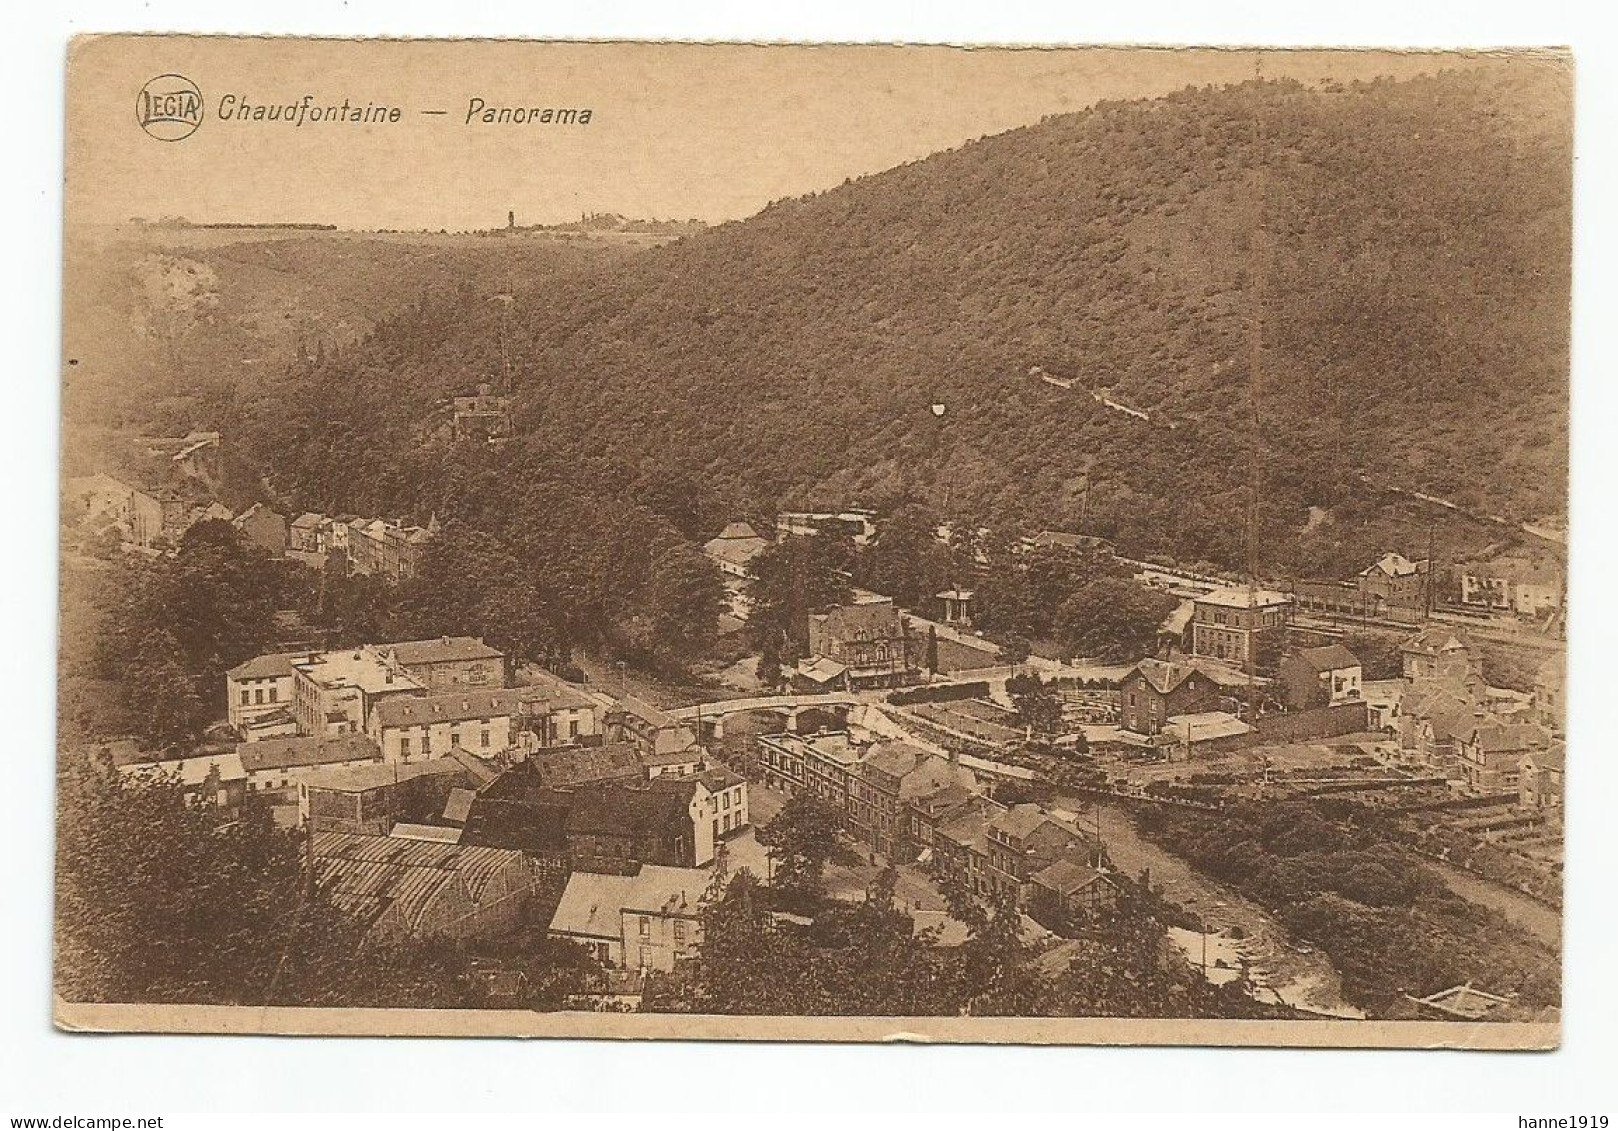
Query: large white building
x=481 y=721
x=336 y=692
x=261 y=687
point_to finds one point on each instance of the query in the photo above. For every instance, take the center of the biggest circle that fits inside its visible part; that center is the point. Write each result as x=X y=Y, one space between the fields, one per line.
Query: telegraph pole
x=1255 y=345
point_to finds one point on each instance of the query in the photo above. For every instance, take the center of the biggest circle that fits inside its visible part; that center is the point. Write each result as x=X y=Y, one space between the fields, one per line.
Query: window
x=404 y=747
x=645 y=926
x=483 y=739
x=454 y=738
x=275 y=694
x=246 y=697
x=258 y=696
x=573 y=728
x=679 y=931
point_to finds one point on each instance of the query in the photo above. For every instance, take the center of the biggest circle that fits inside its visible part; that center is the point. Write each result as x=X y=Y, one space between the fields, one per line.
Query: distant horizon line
x=183 y=223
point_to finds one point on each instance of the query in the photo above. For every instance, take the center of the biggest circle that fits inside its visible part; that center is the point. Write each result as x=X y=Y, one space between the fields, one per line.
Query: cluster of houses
x=909 y=804
x=1490 y=741
x=1521 y=582
x=441 y=797
x=167 y=484
x=1450 y=723
x=162 y=486
x=373 y=547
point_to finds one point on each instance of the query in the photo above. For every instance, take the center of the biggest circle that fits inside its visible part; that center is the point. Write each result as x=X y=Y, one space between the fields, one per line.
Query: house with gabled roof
x=614 y=828
x=260 y=686
x=264 y=527
x=1491 y=754
x=1439 y=651
x=1027 y=838
x=648 y=919
x=1321 y=677
x=1156 y=690
x=276 y=765
x=1394 y=582
x=653 y=730
x=1069 y=892
x=373 y=798
x=579 y=767
x=734 y=549
x=1539 y=777
x=480 y=720
x=448 y=661
x=870 y=640
x=1550 y=692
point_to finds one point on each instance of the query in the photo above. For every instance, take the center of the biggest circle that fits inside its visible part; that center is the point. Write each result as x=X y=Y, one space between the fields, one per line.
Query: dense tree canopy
x=1339 y=877
x=163 y=899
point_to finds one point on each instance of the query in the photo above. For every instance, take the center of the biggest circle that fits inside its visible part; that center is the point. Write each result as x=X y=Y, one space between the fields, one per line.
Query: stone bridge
x=712 y=716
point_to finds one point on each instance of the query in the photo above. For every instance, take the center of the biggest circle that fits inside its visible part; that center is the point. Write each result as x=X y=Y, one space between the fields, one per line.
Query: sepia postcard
x=813 y=542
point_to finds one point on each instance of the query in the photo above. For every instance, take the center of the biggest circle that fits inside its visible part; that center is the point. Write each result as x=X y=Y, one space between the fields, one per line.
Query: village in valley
x=447 y=789
x=1106 y=557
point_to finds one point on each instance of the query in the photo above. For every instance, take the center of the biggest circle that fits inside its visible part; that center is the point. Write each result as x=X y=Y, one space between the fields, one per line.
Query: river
x=1303 y=978
x=1545 y=923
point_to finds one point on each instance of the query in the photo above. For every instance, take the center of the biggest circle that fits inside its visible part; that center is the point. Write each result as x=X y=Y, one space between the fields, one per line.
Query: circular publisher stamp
x=169 y=107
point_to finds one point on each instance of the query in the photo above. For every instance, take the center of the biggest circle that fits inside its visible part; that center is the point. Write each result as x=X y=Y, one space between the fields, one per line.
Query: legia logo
x=169 y=107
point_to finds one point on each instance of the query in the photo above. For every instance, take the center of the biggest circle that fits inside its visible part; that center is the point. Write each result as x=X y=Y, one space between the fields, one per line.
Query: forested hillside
x=1403 y=245
x=172 y=327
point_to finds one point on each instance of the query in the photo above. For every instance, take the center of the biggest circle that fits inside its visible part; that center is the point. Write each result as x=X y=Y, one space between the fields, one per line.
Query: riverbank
x=1283 y=972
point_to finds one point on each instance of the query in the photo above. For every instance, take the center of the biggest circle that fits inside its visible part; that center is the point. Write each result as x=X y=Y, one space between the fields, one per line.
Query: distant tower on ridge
x=511 y=219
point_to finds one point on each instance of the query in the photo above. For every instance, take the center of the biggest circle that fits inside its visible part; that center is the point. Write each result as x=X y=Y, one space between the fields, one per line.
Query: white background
x=46 y=1073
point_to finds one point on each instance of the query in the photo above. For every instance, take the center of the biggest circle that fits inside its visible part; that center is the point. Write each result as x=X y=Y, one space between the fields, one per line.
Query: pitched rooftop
x=446 y=707
x=306 y=750
x=445 y=649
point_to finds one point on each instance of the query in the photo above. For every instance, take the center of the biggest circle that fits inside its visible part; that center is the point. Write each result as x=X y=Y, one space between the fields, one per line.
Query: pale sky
x=711 y=132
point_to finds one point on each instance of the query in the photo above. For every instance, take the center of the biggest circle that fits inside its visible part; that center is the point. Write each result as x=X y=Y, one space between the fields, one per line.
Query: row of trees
x=869 y=959
x=1083 y=601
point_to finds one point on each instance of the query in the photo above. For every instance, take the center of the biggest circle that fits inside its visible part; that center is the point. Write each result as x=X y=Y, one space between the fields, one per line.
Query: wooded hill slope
x=1403 y=246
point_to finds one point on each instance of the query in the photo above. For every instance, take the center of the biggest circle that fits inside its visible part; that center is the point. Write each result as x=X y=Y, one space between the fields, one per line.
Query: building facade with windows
x=645 y=920
x=480 y=721
x=1241 y=626
x=261 y=686
x=870 y=641
x=447 y=662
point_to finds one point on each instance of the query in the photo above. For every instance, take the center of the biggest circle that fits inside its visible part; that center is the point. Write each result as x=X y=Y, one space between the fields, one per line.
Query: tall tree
x=682 y=602
x=906 y=561
x=1112 y=619
x=801 y=838
x=1038 y=706
x=791 y=578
